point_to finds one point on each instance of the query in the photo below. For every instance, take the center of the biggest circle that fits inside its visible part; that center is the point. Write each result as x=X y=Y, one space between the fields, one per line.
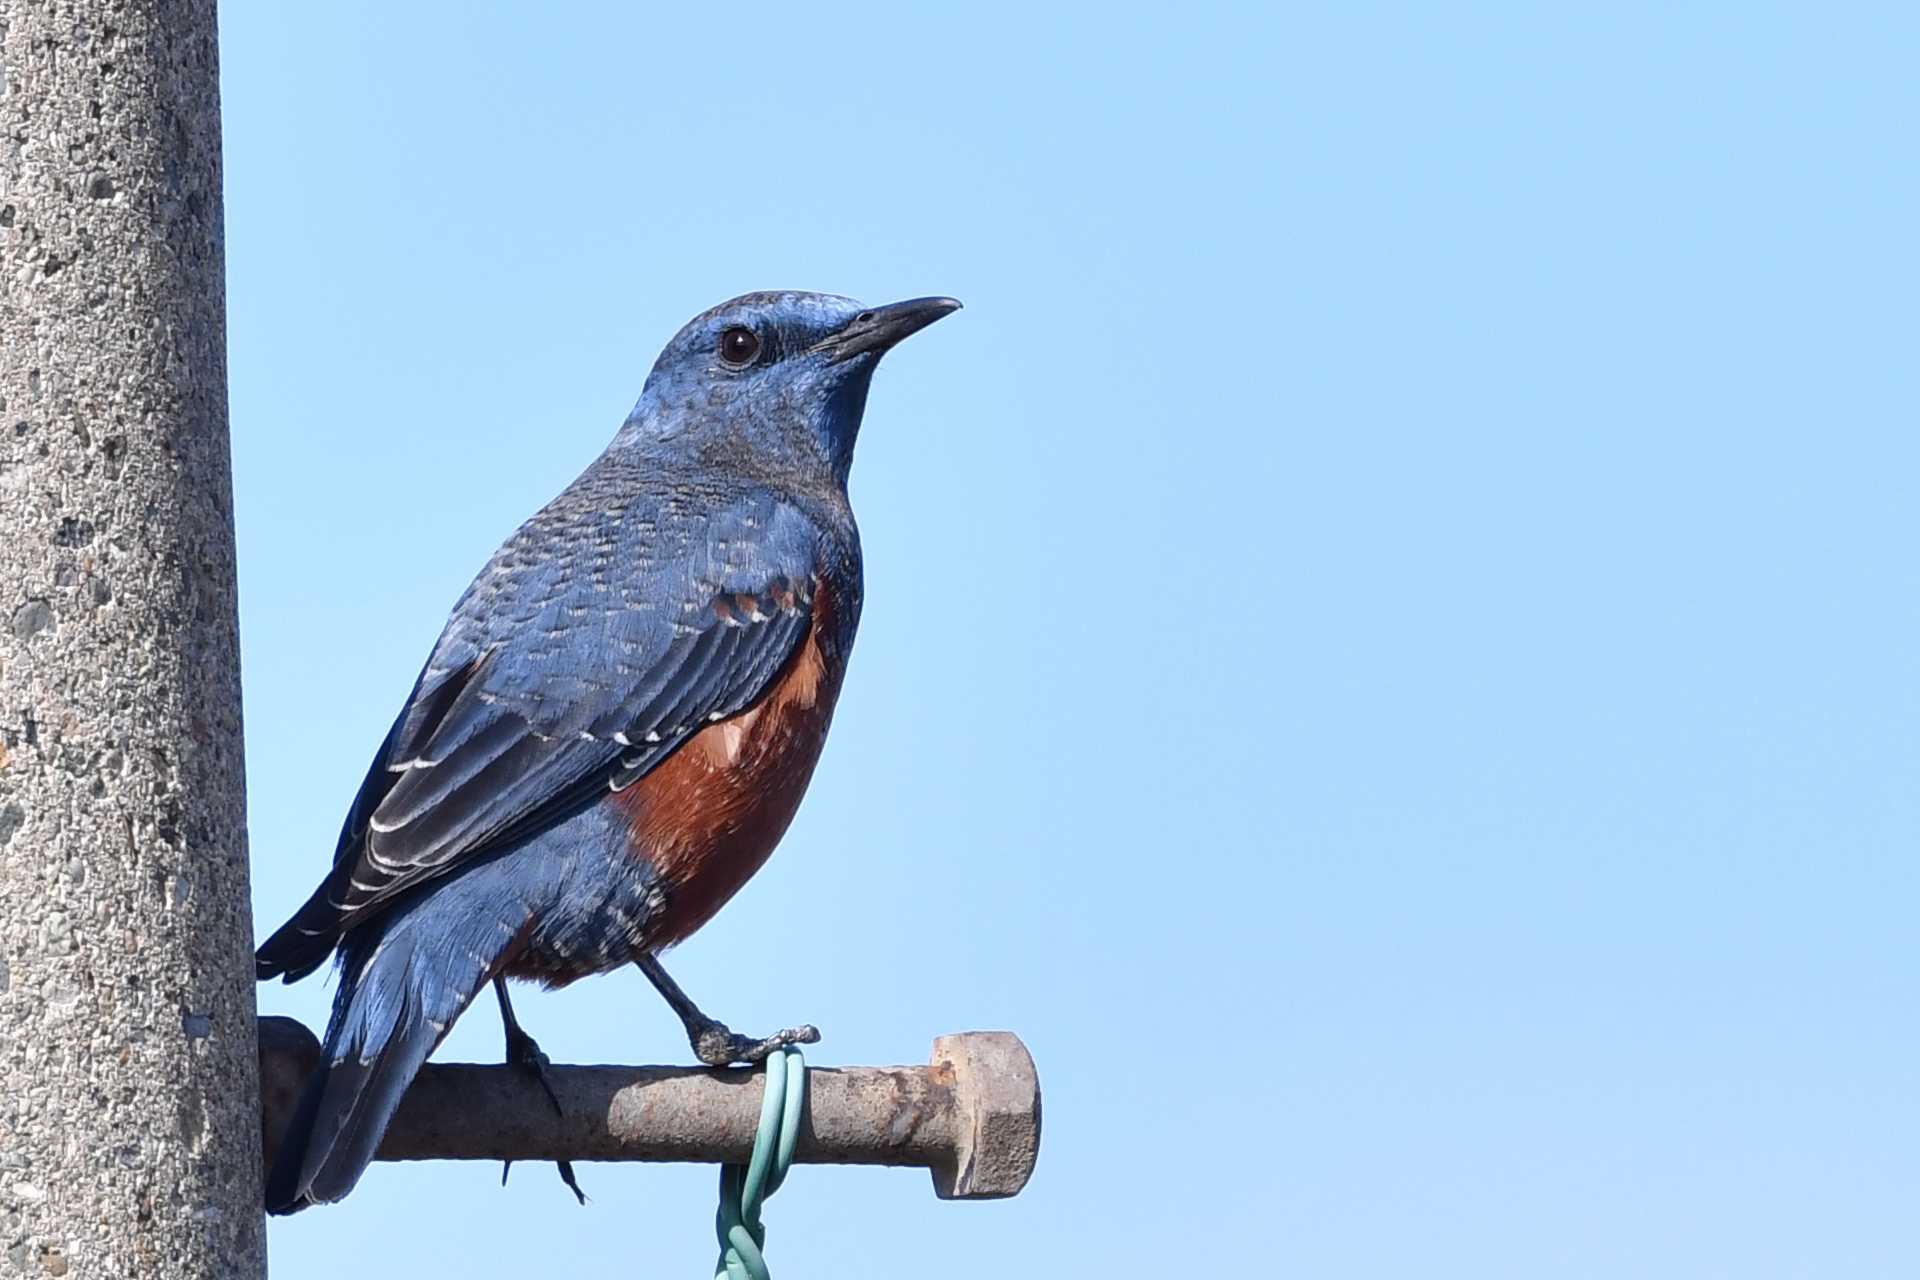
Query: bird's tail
x=401 y=987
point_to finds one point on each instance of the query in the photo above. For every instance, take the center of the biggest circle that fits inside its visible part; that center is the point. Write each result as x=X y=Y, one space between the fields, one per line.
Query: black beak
x=880 y=328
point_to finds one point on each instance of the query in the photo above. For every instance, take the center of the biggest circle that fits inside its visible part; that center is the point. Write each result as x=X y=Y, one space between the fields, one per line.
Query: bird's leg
x=713 y=1043
x=524 y=1051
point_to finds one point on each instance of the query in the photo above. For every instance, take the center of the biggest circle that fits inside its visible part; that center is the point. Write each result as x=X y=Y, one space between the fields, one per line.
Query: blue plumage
x=527 y=814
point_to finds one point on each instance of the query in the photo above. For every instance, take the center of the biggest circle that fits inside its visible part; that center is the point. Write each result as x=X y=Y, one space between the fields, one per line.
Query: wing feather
x=538 y=709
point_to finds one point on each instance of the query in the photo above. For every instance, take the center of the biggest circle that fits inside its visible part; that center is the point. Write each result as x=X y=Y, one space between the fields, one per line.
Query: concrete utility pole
x=129 y=1104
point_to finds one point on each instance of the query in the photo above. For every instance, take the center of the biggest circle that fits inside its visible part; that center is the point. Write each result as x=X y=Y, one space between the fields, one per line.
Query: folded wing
x=544 y=694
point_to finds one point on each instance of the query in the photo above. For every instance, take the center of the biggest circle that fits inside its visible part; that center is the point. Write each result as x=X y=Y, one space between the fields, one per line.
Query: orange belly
x=710 y=814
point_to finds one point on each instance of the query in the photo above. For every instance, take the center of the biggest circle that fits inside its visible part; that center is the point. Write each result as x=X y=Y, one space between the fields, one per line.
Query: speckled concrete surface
x=129 y=1123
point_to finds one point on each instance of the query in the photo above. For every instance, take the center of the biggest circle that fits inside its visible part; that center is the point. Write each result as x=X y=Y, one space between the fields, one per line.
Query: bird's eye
x=739 y=345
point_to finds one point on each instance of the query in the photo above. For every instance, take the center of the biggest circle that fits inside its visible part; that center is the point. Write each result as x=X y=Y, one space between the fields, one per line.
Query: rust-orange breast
x=710 y=814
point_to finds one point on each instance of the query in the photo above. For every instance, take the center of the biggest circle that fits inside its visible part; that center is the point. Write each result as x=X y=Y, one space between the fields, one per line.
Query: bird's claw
x=524 y=1051
x=718 y=1046
x=566 y=1175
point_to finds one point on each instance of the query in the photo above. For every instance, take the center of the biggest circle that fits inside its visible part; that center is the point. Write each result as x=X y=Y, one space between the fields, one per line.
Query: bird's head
x=781 y=375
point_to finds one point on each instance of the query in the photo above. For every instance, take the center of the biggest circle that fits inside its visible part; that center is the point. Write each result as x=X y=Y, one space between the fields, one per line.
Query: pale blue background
x=1393 y=644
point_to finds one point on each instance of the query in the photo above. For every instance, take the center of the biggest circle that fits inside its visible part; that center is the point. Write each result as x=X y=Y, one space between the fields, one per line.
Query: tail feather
x=340 y=1120
x=400 y=990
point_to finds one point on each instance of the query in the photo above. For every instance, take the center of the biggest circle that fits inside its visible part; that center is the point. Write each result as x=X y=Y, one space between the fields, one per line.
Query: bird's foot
x=523 y=1051
x=714 y=1043
x=717 y=1046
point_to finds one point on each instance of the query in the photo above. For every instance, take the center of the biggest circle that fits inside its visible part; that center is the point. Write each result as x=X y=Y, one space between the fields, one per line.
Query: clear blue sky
x=1392 y=654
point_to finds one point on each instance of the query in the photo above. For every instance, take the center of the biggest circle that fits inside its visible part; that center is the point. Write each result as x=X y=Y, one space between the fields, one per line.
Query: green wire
x=744 y=1188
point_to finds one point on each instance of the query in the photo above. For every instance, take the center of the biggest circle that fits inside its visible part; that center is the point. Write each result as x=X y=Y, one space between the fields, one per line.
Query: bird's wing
x=544 y=693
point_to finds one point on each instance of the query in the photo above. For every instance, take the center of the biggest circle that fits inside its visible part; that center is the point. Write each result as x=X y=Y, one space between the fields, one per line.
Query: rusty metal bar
x=971 y=1115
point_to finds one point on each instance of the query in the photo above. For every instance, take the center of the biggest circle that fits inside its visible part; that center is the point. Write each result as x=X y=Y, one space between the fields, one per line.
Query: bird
x=614 y=728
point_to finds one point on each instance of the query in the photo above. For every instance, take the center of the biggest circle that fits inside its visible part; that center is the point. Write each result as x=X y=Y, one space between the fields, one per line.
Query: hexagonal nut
x=996 y=1099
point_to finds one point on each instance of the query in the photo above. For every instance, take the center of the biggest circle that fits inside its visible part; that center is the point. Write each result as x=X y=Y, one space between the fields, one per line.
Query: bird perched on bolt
x=615 y=727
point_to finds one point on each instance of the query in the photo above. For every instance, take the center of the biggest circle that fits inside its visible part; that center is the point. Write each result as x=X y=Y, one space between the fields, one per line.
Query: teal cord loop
x=744 y=1188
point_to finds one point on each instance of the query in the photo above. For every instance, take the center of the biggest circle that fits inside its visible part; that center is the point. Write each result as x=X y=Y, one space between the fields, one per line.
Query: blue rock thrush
x=615 y=727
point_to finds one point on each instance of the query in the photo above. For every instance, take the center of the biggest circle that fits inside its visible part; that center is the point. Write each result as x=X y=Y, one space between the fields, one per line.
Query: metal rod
x=971 y=1115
